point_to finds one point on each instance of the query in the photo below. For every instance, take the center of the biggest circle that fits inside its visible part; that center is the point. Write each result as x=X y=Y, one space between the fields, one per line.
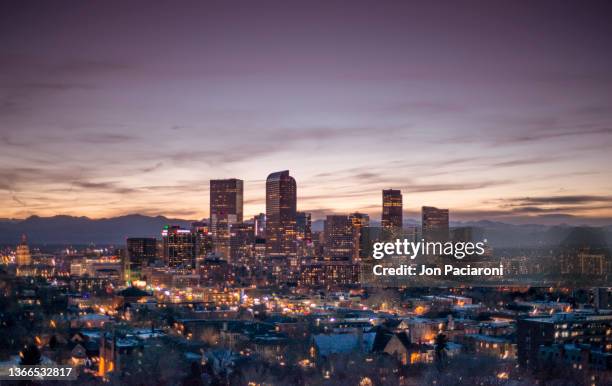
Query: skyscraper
x=304 y=227
x=242 y=238
x=358 y=221
x=204 y=238
x=180 y=247
x=226 y=208
x=392 y=210
x=435 y=224
x=281 y=214
x=339 y=245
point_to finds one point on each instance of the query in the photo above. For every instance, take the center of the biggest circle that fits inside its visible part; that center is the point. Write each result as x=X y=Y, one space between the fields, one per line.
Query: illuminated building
x=281 y=214
x=392 y=209
x=591 y=263
x=205 y=243
x=180 y=247
x=561 y=328
x=107 y=267
x=259 y=222
x=226 y=209
x=496 y=346
x=242 y=237
x=95 y=285
x=329 y=274
x=260 y=263
x=77 y=267
x=358 y=221
x=23 y=257
x=214 y=271
x=303 y=226
x=435 y=224
x=304 y=234
x=575 y=356
x=141 y=252
x=339 y=245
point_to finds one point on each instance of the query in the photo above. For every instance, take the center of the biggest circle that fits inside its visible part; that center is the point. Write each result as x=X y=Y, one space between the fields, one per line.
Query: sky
x=497 y=110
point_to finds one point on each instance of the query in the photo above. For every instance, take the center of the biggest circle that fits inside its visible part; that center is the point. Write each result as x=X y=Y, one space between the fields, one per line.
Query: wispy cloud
x=559 y=200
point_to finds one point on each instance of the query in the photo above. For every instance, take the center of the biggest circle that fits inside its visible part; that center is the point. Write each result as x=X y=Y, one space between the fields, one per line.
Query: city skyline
x=487 y=119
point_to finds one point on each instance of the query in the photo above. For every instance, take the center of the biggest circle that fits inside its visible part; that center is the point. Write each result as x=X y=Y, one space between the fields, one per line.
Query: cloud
x=105 y=138
x=577 y=205
x=550 y=135
x=425 y=188
x=524 y=161
x=424 y=107
x=152 y=168
x=559 y=200
x=104 y=186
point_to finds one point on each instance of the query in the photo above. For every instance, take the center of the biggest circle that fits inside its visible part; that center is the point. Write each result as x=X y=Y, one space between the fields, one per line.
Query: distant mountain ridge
x=64 y=229
x=83 y=230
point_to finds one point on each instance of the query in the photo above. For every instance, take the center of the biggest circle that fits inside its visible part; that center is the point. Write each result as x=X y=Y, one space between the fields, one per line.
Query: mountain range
x=83 y=230
x=114 y=230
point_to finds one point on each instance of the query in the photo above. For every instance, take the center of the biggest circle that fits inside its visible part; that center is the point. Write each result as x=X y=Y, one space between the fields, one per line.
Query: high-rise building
x=204 y=238
x=358 y=221
x=303 y=224
x=226 y=208
x=180 y=247
x=242 y=239
x=435 y=224
x=281 y=204
x=141 y=252
x=339 y=236
x=259 y=224
x=23 y=257
x=392 y=209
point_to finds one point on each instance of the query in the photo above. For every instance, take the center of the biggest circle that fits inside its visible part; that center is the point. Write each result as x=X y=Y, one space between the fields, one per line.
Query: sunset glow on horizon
x=111 y=115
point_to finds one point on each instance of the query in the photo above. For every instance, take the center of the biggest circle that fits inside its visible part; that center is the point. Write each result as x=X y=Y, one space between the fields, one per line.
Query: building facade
x=226 y=210
x=435 y=223
x=281 y=202
x=392 y=209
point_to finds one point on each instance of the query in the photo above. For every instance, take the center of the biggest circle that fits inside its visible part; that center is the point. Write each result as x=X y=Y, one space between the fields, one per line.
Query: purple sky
x=495 y=109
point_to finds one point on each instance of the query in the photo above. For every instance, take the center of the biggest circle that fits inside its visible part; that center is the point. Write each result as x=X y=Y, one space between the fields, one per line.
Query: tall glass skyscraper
x=281 y=202
x=392 y=209
x=226 y=209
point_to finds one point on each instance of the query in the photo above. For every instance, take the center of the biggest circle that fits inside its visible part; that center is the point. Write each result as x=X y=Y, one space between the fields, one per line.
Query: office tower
x=338 y=238
x=140 y=252
x=303 y=226
x=180 y=247
x=204 y=239
x=23 y=256
x=242 y=239
x=392 y=210
x=259 y=223
x=226 y=208
x=435 y=224
x=280 y=214
x=358 y=222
